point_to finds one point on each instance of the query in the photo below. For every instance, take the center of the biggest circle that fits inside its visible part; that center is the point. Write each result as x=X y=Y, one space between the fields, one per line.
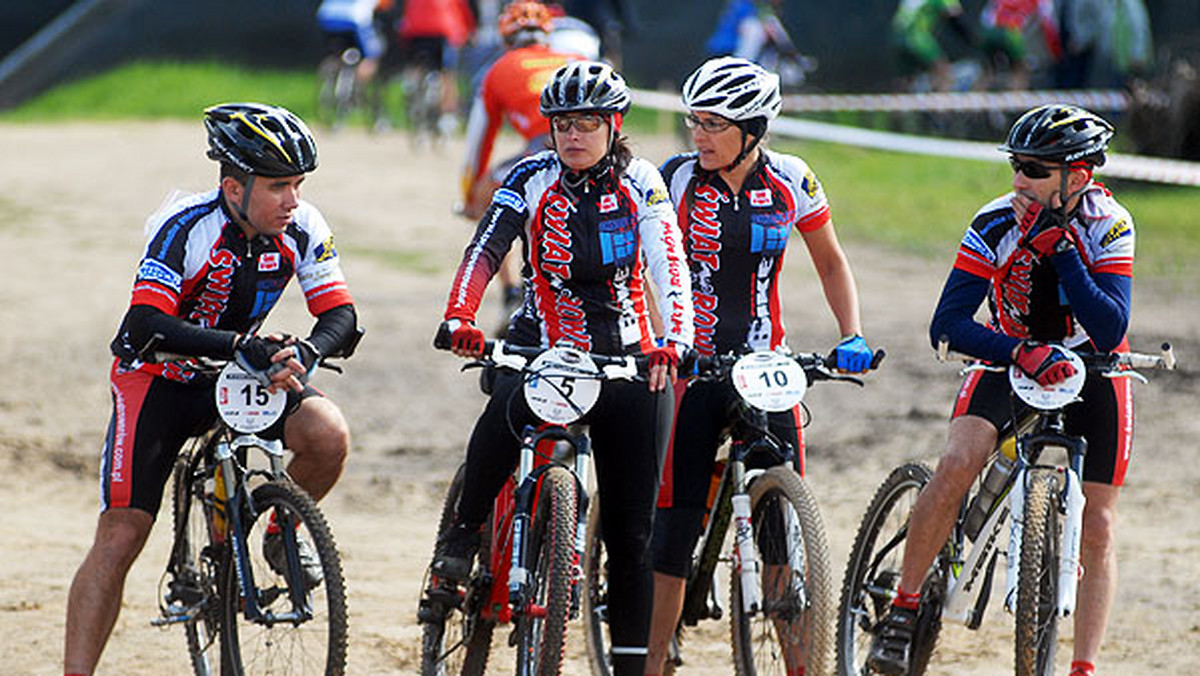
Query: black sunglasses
x=1032 y=169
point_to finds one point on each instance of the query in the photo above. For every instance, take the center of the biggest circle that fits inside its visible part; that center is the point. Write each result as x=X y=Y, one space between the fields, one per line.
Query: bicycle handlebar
x=517 y=357
x=816 y=366
x=1094 y=361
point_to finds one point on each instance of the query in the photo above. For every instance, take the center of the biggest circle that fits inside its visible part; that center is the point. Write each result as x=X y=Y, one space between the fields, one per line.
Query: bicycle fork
x=746 y=563
x=1071 y=504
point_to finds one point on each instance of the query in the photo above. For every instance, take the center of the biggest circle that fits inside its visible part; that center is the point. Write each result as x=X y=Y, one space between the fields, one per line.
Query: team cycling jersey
x=588 y=241
x=200 y=266
x=511 y=90
x=735 y=244
x=1027 y=294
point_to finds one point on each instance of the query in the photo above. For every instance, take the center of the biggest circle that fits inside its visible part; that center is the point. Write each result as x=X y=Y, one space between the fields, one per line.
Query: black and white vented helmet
x=1059 y=131
x=734 y=88
x=260 y=139
x=582 y=86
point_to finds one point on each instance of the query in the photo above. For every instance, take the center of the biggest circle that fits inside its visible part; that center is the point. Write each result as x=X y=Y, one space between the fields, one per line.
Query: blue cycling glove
x=853 y=355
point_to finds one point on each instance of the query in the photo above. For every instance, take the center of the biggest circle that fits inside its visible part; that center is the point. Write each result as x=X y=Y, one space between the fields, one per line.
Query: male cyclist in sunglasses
x=1054 y=259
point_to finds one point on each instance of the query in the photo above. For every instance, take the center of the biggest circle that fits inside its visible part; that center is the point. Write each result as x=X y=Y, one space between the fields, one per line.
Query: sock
x=907 y=600
x=1081 y=668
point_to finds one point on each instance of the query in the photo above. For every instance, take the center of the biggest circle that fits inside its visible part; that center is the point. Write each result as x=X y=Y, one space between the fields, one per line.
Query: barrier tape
x=1136 y=167
x=957 y=102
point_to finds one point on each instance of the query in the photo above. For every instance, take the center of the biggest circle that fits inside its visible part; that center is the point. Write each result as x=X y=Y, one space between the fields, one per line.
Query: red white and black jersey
x=200 y=266
x=588 y=247
x=1024 y=293
x=735 y=244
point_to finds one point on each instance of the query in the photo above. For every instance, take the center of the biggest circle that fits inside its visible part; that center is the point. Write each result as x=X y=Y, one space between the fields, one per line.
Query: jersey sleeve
x=319 y=271
x=501 y=224
x=162 y=271
x=812 y=206
x=662 y=245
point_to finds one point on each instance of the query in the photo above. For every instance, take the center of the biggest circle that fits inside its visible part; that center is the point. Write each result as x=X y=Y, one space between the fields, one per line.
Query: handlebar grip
x=441 y=340
x=880 y=354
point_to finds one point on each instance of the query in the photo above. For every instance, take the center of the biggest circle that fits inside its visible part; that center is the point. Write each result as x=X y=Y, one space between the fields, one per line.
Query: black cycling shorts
x=152 y=418
x=701 y=422
x=1104 y=417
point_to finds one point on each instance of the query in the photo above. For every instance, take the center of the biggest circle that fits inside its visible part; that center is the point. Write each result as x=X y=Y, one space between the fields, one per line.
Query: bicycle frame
x=514 y=510
x=965 y=600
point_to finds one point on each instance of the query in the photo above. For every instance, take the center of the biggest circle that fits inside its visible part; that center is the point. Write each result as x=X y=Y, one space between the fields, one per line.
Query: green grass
x=144 y=90
x=914 y=203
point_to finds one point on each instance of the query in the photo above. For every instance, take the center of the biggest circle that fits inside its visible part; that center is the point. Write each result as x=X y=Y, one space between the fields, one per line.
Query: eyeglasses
x=1032 y=169
x=712 y=125
x=586 y=122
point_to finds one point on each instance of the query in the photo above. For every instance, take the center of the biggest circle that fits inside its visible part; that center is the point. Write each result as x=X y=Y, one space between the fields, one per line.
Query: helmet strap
x=747 y=148
x=242 y=208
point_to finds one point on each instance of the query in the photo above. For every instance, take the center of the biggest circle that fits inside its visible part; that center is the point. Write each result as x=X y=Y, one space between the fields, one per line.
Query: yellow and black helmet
x=259 y=139
x=1060 y=132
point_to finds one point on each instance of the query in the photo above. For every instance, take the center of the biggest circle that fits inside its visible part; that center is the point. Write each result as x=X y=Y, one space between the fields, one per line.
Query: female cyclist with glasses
x=594 y=223
x=736 y=202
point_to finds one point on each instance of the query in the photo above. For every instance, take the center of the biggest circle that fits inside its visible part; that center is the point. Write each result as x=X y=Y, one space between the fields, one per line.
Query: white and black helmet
x=582 y=86
x=734 y=88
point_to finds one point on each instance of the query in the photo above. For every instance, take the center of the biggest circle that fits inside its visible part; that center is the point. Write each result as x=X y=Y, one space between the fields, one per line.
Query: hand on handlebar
x=663 y=363
x=853 y=355
x=1043 y=363
x=460 y=337
x=275 y=360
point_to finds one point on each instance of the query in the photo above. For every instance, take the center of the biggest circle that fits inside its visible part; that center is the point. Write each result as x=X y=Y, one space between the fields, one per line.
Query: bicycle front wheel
x=455 y=639
x=792 y=630
x=542 y=625
x=195 y=561
x=873 y=573
x=301 y=624
x=1037 y=579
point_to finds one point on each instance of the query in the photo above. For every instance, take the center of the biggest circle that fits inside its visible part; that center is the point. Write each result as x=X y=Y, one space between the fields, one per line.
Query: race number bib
x=563 y=384
x=1054 y=396
x=769 y=381
x=244 y=404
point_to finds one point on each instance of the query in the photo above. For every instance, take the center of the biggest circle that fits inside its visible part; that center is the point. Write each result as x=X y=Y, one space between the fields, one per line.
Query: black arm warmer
x=334 y=327
x=178 y=336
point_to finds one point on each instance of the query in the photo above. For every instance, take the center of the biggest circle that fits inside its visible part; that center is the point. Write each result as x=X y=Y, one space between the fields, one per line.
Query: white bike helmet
x=734 y=88
x=582 y=86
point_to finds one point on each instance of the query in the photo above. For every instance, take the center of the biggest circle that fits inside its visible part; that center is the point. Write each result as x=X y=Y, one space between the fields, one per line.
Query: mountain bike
x=780 y=583
x=267 y=618
x=526 y=571
x=1040 y=502
x=340 y=91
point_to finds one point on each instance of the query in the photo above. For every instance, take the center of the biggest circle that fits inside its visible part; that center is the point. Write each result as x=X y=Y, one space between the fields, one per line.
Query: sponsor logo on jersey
x=1114 y=233
x=556 y=238
x=508 y=198
x=656 y=196
x=218 y=285
x=608 y=202
x=809 y=184
x=760 y=197
x=704 y=228
x=324 y=251
x=268 y=261
x=156 y=271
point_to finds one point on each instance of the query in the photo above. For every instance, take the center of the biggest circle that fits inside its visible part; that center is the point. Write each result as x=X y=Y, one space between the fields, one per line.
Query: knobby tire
x=196 y=554
x=797 y=613
x=540 y=640
x=312 y=647
x=1037 y=579
x=869 y=585
x=460 y=642
x=595 y=594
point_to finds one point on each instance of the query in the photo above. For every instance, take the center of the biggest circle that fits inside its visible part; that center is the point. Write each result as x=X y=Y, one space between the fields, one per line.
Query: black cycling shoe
x=892 y=645
x=455 y=552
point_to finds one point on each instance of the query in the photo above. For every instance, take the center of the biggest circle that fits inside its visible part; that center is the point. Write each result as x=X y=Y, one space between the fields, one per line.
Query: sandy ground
x=71 y=214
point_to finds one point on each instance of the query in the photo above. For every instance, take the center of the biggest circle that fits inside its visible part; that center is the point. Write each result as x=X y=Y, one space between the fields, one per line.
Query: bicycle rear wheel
x=873 y=573
x=595 y=595
x=1037 y=579
x=307 y=638
x=794 y=626
x=195 y=562
x=542 y=627
x=454 y=638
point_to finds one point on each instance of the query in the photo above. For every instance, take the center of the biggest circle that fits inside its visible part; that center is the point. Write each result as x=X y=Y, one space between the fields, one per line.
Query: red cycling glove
x=1052 y=237
x=464 y=337
x=1043 y=363
x=664 y=356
